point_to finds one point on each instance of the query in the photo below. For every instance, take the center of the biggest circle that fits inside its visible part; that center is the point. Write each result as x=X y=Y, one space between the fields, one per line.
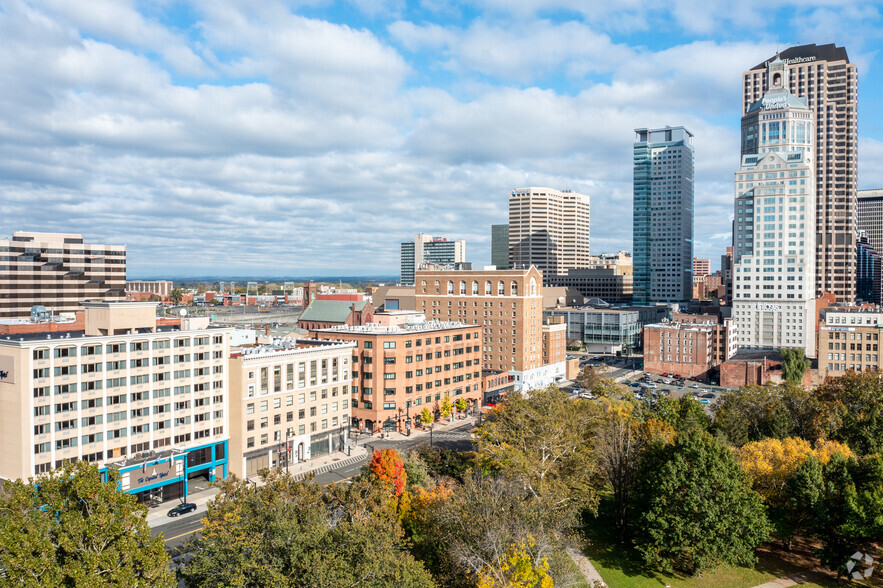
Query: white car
x=694 y=386
x=588 y=395
x=705 y=390
x=651 y=385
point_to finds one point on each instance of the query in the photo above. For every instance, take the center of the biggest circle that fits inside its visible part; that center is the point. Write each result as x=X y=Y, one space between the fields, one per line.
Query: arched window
x=450 y=287
x=462 y=287
x=501 y=288
x=533 y=287
x=514 y=288
x=475 y=288
x=487 y=288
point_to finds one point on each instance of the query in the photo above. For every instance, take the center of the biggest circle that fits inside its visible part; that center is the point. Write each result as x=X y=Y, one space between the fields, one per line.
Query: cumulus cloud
x=278 y=138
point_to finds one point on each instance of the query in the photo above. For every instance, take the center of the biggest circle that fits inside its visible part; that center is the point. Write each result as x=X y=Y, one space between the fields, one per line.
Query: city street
x=177 y=530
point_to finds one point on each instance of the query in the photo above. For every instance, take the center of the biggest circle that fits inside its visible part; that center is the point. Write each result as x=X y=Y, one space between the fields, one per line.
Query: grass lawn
x=621 y=568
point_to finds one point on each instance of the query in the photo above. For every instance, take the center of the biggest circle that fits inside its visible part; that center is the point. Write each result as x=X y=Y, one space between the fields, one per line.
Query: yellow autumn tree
x=517 y=569
x=771 y=462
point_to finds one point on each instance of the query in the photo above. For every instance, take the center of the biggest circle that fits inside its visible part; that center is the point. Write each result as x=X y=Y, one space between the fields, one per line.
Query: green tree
x=794 y=364
x=295 y=534
x=461 y=405
x=694 y=508
x=544 y=441
x=839 y=503
x=176 y=295
x=70 y=528
x=774 y=410
x=154 y=298
x=682 y=414
x=598 y=385
x=851 y=408
x=426 y=417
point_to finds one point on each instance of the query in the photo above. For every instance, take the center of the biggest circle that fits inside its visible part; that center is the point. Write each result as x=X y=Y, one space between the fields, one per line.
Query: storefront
x=153 y=477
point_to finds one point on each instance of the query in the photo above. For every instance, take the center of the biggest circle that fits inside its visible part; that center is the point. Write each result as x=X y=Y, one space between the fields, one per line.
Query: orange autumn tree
x=388 y=467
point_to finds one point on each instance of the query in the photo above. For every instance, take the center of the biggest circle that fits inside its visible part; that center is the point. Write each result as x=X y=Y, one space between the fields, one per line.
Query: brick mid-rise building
x=508 y=307
x=400 y=369
x=693 y=350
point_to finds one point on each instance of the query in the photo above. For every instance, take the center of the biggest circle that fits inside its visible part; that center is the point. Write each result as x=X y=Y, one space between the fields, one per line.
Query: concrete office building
x=428 y=249
x=407 y=365
x=148 y=401
x=774 y=246
x=58 y=271
x=548 y=229
x=823 y=75
x=701 y=267
x=663 y=215
x=607 y=276
x=500 y=246
x=159 y=287
x=289 y=403
x=508 y=305
x=870 y=217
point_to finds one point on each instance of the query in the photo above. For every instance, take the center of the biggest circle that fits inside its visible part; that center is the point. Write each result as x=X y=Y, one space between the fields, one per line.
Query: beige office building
x=548 y=229
x=159 y=287
x=824 y=76
x=289 y=403
x=849 y=339
x=148 y=401
x=58 y=271
x=508 y=305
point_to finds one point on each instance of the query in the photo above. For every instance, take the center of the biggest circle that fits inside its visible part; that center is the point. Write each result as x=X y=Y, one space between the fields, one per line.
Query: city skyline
x=222 y=140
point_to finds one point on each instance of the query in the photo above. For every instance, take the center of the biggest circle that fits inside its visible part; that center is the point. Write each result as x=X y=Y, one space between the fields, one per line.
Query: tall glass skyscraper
x=663 y=215
x=500 y=246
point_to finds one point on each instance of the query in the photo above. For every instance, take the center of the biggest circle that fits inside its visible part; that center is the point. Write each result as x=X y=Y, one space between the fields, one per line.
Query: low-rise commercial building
x=603 y=330
x=290 y=402
x=150 y=402
x=400 y=369
x=323 y=314
x=693 y=350
x=849 y=339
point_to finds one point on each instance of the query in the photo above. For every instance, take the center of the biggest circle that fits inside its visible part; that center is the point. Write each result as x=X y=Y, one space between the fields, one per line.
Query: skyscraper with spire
x=775 y=222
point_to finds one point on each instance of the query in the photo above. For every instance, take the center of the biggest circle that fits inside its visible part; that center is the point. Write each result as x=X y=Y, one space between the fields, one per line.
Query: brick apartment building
x=508 y=306
x=404 y=366
x=693 y=350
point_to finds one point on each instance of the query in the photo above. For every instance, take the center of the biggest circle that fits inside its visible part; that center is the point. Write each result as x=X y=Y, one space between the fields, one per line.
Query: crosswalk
x=333 y=466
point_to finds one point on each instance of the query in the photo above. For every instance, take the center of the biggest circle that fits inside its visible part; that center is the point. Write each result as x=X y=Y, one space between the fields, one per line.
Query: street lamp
x=288 y=433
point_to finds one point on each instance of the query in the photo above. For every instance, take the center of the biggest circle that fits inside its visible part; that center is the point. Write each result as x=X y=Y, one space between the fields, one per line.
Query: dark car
x=709 y=395
x=182 y=508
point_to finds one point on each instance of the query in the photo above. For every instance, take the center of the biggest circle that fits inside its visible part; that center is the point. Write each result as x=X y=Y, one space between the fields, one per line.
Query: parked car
x=705 y=390
x=182 y=508
x=588 y=395
x=704 y=400
x=652 y=385
x=694 y=386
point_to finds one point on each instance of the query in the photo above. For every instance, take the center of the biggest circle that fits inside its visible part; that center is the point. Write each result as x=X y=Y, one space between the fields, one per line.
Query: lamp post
x=288 y=434
x=408 y=419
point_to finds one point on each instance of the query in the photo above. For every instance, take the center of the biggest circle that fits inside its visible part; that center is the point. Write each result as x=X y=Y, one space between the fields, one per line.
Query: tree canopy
x=70 y=528
x=794 y=364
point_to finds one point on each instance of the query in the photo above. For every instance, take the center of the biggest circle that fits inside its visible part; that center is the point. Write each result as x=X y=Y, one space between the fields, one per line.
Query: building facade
x=603 y=330
x=774 y=247
x=289 y=403
x=701 y=267
x=663 y=215
x=500 y=246
x=58 y=271
x=400 y=369
x=870 y=217
x=150 y=402
x=548 y=229
x=607 y=276
x=691 y=349
x=428 y=249
x=507 y=305
x=849 y=339
x=868 y=271
x=823 y=75
x=159 y=287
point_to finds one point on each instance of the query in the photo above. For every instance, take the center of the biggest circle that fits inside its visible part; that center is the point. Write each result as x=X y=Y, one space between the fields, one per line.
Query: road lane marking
x=183 y=534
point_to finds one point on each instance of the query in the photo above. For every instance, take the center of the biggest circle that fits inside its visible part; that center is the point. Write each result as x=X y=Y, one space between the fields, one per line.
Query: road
x=176 y=531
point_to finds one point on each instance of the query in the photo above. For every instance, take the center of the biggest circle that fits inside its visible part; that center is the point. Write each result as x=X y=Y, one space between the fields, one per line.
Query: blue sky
x=311 y=138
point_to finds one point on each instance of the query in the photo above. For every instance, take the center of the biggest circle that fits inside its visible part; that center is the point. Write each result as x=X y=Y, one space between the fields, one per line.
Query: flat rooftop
x=376 y=329
x=287 y=344
x=81 y=334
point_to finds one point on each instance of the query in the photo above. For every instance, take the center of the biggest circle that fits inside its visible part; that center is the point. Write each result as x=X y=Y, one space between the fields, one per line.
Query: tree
x=774 y=410
x=840 y=503
x=851 y=408
x=794 y=364
x=176 y=295
x=470 y=532
x=154 y=298
x=461 y=405
x=682 y=414
x=694 y=508
x=426 y=417
x=617 y=446
x=517 y=569
x=589 y=379
x=388 y=467
x=299 y=534
x=70 y=528
x=447 y=407
x=544 y=441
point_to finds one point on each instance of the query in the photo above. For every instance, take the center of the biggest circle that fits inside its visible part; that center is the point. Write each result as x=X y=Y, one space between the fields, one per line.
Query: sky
x=310 y=138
